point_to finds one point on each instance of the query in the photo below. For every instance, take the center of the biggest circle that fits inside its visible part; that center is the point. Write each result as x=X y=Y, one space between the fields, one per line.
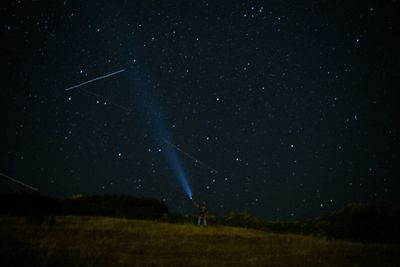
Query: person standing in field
x=203 y=212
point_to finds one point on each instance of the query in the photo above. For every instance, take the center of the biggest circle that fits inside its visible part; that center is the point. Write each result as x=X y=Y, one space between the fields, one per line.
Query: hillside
x=359 y=222
x=356 y=222
x=99 y=241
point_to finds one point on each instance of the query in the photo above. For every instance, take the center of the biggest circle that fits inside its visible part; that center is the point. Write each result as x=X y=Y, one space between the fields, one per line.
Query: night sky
x=295 y=104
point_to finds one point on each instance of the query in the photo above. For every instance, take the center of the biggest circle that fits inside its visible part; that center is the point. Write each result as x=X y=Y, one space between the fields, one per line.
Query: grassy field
x=99 y=241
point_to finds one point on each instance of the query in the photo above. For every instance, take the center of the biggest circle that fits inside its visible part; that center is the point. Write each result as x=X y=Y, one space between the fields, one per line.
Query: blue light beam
x=153 y=117
x=157 y=124
x=176 y=165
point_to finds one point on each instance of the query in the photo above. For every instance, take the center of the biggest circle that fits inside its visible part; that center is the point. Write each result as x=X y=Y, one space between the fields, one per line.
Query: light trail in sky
x=95 y=79
x=19 y=182
x=191 y=157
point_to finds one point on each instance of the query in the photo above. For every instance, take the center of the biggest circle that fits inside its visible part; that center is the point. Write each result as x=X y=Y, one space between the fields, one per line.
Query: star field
x=295 y=104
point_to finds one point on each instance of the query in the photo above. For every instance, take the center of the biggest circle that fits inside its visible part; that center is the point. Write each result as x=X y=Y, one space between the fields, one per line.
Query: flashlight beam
x=191 y=157
x=19 y=182
x=95 y=79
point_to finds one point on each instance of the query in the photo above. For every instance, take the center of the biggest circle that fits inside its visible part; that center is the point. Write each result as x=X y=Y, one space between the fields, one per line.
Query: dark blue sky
x=294 y=103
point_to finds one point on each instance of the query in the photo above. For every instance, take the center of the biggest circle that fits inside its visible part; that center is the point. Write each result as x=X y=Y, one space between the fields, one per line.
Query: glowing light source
x=175 y=164
x=154 y=118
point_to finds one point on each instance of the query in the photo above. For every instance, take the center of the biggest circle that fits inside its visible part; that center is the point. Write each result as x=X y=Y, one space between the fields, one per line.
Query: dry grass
x=97 y=241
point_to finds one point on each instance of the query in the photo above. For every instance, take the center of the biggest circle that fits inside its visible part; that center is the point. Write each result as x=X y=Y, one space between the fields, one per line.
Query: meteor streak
x=95 y=79
x=191 y=157
x=19 y=182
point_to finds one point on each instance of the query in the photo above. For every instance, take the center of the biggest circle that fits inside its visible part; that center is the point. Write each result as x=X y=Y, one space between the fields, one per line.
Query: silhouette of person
x=203 y=212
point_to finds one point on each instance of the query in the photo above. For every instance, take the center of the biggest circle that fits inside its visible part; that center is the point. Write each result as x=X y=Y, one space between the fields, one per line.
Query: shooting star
x=191 y=157
x=19 y=182
x=95 y=79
